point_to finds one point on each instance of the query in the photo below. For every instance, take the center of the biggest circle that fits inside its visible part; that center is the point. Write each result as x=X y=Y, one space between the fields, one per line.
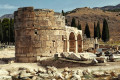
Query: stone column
x=76 y=43
x=82 y=44
x=68 y=45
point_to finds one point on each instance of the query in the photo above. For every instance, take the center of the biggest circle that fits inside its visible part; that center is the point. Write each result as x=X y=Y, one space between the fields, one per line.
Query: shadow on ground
x=62 y=63
x=6 y=60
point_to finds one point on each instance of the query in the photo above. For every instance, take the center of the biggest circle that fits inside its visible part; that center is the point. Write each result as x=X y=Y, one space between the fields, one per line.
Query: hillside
x=109 y=7
x=7 y=16
x=87 y=15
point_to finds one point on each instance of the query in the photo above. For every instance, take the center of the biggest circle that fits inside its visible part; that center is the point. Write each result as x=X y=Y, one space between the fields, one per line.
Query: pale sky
x=9 y=6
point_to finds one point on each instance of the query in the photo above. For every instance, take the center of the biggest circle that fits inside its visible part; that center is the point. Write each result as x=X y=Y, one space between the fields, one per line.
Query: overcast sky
x=9 y=6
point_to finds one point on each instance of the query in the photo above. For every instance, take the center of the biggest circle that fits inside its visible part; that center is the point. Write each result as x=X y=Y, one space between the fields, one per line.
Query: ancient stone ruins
x=42 y=32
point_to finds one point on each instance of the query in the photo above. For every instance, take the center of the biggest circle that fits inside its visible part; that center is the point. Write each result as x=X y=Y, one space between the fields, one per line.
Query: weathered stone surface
x=98 y=74
x=24 y=74
x=3 y=72
x=101 y=59
x=66 y=69
x=41 y=70
x=51 y=69
x=64 y=54
x=74 y=56
x=94 y=61
x=86 y=72
x=5 y=78
x=40 y=32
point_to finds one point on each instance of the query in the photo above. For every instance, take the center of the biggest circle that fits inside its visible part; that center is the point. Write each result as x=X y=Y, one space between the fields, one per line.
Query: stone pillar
x=68 y=45
x=82 y=45
x=76 y=42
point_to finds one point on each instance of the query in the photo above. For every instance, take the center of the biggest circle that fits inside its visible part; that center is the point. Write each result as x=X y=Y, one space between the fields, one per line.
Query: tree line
x=97 y=33
x=7 y=31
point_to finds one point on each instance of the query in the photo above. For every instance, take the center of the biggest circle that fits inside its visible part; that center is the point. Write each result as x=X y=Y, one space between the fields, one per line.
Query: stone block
x=37 y=44
x=56 y=32
x=59 y=43
x=43 y=43
x=58 y=37
x=36 y=37
x=59 y=49
x=49 y=44
x=52 y=37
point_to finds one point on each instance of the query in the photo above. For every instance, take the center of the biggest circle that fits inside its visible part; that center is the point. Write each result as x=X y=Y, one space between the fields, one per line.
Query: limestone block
x=36 y=43
x=56 y=32
x=36 y=38
x=53 y=50
x=39 y=50
x=32 y=59
x=62 y=32
x=52 y=37
x=29 y=54
x=41 y=32
x=44 y=37
x=49 y=44
x=21 y=59
x=58 y=38
x=59 y=44
x=43 y=43
x=59 y=49
x=20 y=54
x=49 y=32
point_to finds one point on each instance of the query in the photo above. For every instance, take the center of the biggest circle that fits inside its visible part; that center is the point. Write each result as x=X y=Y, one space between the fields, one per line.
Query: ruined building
x=42 y=32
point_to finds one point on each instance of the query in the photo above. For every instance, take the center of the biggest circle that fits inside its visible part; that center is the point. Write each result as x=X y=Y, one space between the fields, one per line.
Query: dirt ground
x=60 y=63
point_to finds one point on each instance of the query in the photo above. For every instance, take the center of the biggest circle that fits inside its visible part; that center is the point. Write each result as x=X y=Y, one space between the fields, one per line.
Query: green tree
x=1 y=32
x=66 y=21
x=11 y=30
x=87 y=31
x=95 y=34
x=79 y=26
x=5 y=28
x=63 y=13
x=98 y=30
x=105 y=31
x=73 y=24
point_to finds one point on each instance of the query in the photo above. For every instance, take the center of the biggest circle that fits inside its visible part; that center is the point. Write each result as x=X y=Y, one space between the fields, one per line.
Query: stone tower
x=42 y=32
x=37 y=32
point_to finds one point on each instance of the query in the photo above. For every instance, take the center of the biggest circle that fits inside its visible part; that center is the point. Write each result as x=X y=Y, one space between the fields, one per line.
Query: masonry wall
x=88 y=43
x=37 y=32
x=42 y=32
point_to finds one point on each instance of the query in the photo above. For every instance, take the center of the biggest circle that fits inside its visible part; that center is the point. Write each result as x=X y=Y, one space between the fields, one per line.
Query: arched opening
x=72 y=44
x=79 y=39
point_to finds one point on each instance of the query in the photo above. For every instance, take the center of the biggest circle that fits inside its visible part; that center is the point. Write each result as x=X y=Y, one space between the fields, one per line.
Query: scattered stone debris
x=52 y=73
x=94 y=61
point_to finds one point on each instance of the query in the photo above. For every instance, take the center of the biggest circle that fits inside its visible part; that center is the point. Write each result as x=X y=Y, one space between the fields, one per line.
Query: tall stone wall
x=42 y=32
x=37 y=32
x=88 y=43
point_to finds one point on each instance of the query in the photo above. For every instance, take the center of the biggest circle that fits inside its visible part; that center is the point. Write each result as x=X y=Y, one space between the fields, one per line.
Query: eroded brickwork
x=42 y=32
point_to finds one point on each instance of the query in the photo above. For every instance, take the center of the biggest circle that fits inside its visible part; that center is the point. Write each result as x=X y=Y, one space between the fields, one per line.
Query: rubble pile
x=52 y=73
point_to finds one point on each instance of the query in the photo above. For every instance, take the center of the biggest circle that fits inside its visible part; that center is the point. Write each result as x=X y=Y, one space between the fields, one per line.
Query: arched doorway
x=79 y=39
x=72 y=44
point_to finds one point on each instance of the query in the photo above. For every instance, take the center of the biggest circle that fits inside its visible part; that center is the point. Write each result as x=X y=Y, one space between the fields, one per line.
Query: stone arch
x=79 y=41
x=72 y=43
